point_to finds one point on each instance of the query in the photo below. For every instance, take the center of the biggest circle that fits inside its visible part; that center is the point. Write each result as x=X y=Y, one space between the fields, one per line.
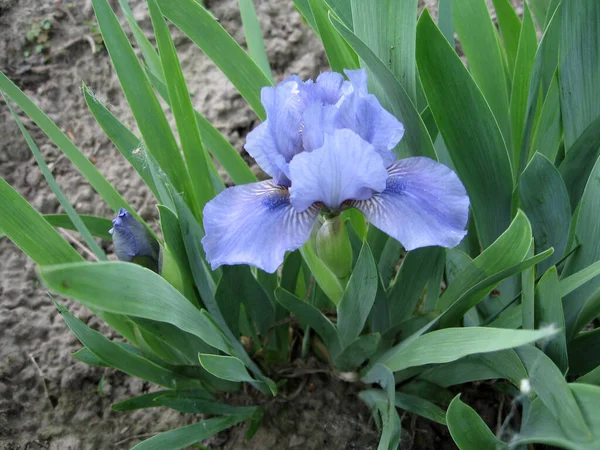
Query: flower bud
x=133 y=242
x=333 y=247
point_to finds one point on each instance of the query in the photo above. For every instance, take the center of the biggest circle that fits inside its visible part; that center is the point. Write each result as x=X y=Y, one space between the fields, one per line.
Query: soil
x=49 y=400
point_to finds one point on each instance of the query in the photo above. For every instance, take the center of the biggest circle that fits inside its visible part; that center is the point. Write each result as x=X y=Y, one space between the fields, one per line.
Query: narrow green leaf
x=421 y=407
x=324 y=277
x=148 y=400
x=480 y=44
x=589 y=311
x=510 y=29
x=579 y=161
x=574 y=281
x=445 y=21
x=145 y=107
x=520 y=88
x=190 y=434
x=415 y=271
x=225 y=367
x=214 y=141
x=579 y=67
x=27 y=228
x=549 y=312
x=548 y=383
x=358 y=298
x=65 y=203
x=469 y=130
x=545 y=200
x=126 y=142
x=98 y=226
x=547 y=135
x=467 y=428
x=183 y=111
x=129 y=289
x=339 y=54
x=451 y=344
x=393 y=97
x=539 y=425
x=254 y=39
x=208 y=34
x=311 y=316
x=87 y=357
x=528 y=295
x=484 y=366
x=357 y=352
x=84 y=165
x=118 y=357
x=587 y=231
x=388 y=28
x=194 y=405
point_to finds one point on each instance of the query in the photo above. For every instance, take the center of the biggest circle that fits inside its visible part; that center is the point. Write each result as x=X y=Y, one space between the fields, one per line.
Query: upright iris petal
x=328 y=145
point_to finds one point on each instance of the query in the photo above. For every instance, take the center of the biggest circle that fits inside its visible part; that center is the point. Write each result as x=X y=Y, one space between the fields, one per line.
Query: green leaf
x=208 y=34
x=579 y=161
x=572 y=282
x=587 y=231
x=584 y=352
x=98 y=226
x=388 y=28
x=357 y=352
x=145 y=107
x=388 y=261
x=509 y=249
x=547 y=135
x=339 y=54
x=324 y=277
x=126 y=142
x=225 y=367
x=549 y=312
x=481 y=46
x=83 y=164
x=118 y=357
x=545 y=200
x=484 y=366
x=183 y=111
x=520 y=89
x=407 y=402
x=358 y=299
x=254 y=39
x=589 y=311
x=198 y=405
x=467 y=428
x=539 y=426
x=308 y=315
x=394 y=98
x=415 y=271
x=139 y=402
x=548 y=383
x=445 y=22
x=469 y=130
x=510 y=29
x=27 y=228
x=190 y=434
x=87 y=357
x=65 y=203
x=129 y=289
x=451 y=344
x=579 y=65
x=214 y=141
x=528 y=295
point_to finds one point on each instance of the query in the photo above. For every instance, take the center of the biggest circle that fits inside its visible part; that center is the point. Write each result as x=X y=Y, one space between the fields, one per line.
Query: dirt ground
x=48 y=400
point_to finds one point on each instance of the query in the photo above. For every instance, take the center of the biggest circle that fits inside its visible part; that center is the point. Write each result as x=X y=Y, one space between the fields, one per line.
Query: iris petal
x=131 y=238
x=424 y=204
x=254 y=224
x=344 y=168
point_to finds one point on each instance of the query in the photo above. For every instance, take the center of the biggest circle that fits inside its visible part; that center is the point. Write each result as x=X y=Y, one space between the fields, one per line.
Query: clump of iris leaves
x=515 y=301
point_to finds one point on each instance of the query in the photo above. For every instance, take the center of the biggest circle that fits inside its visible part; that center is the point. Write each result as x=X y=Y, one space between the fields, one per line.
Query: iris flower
x=328 y=146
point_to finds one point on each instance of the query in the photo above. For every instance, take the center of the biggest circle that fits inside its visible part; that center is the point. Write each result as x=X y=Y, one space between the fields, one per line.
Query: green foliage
x=520 y=125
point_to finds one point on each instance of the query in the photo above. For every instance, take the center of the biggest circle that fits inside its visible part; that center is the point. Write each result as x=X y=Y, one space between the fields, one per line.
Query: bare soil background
x=48 y=400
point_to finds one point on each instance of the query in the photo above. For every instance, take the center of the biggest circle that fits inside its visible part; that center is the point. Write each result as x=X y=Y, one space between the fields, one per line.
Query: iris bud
x=333 y=247
x=133 y=242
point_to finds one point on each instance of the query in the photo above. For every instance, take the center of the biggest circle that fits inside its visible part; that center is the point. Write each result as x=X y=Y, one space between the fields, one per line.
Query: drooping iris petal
x=328 y=88
x=424 y=203
x=254 y=224
x=131 y=238
x=362 y=113
x=344 y=168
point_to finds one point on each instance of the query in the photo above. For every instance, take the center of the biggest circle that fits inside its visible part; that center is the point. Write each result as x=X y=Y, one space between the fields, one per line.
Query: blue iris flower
x=328 y=146
x=133 y=242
